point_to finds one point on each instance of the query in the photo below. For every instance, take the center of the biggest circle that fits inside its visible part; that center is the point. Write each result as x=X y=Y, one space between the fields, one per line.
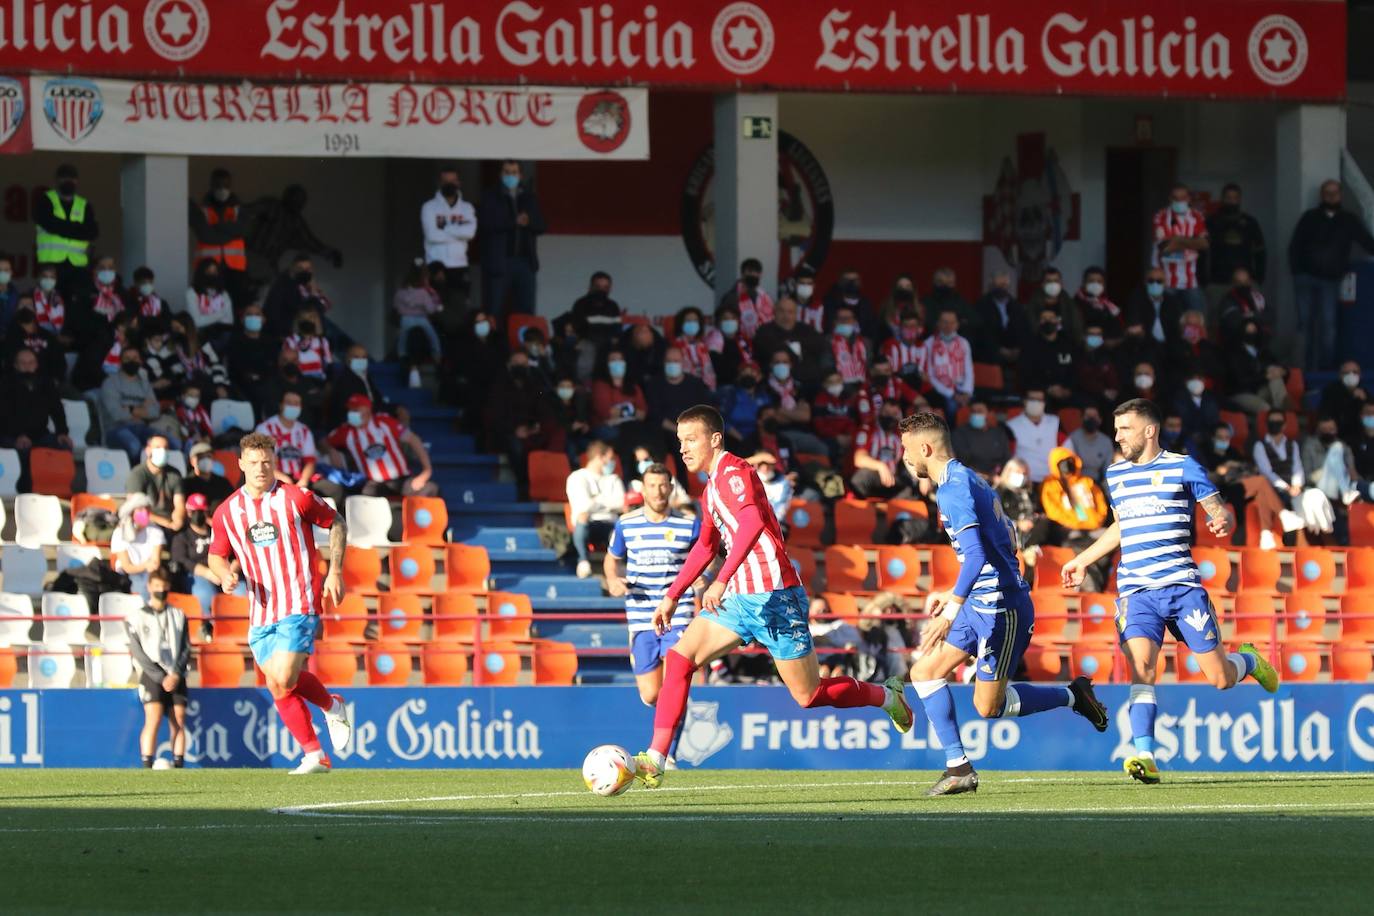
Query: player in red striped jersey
x=756 y=597
x=264 y=531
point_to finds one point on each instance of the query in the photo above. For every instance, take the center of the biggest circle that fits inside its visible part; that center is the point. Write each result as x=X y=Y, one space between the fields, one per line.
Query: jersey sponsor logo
x=288 y=453
x=262 y=534
x=376 y=451
x=1139 y=507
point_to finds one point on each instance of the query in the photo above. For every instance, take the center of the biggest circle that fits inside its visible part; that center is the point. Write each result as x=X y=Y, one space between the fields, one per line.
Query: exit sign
x=758 y=128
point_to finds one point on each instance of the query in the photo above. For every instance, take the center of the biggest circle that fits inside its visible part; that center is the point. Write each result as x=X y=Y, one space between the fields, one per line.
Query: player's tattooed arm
x=338 y=537
x=1218 y=519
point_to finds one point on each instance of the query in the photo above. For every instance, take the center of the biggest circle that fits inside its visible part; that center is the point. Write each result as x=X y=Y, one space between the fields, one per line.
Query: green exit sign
x=758 y=128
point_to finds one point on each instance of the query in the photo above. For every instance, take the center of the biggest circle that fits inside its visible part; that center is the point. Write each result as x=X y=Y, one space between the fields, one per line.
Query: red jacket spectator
x=834 y=415
x=611 y=403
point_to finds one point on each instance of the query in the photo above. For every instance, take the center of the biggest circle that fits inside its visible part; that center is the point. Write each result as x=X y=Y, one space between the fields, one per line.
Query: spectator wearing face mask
x=727 y=347
x=678 y=498
x=944 y=297
x=190 y=556
x=1144 y=382
x=672 y=393
x=596 y=497
x=65 y=228
x=847 y=293
x=905 y=351
x=1020 y=505
x=848 y=349
x=449 y=224
x=788 y=332
x=1237 y=243
x=416 y=304
x=740 y=404
x=479 y=358
x=193 y=420
x=1319 y=257
x=217 y=224
x=1094 y=308
x=810 y=307
x=9 y=292
x=949 y=363
x=1256 y=379
x=1192 y=352
x=160 y=483
x=208 y=302
x=520 y=417
x=1093 y=447
x=783 y=393
x=1243 y=303
x=1051 y=361
x=308 y=349
x=355 y=378
x=202 y=479
x=161 y=648
x=691 y=342
x=835 y=415
x=1344 y=399
x=572 y=411
x=1051 y=294
x=777 y=487
x=616 y=400
x=1197 y=407
x=1095 y=371
x=1077 y=510
x=1004 y=328
x=1329 y=465
x=30 y=404
x=253 y=355
x=643 y=349
x=1180 y=235
x=293 y=291
x=137 y=542
x=378 y=445
x=24 y=334
x=1363 y=445
x=102 y=301
x=877 y=453
x=902 y=299
x=595 y=316
x=1278 y=459
x=1155 y=307
x=100 y=349
x=540 y=358
x=512 y=222
x=1239 y=481
x=49 y=305
x=141 y=298
x=883 y=386
x=1035 y=434
x=129 y=409
x=981 y=443
x=754 y=304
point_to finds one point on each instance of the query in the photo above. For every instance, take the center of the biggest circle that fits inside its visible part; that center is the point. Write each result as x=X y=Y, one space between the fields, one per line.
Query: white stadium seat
x=70 y=556
x=78 y=424
x=37 y=520
x=110 y=667
x=321 y=534
x=16 y=619
x=9 y=472
x=225 y=414
x=107 y=471
x=23 y=569
x=176 y=459
x=116 y=604
x=74 y=616
x=369 y=521
x=51 y=667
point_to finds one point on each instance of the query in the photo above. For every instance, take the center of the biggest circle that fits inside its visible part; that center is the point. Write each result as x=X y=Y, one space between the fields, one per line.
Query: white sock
x=1148 y=755
x=1071 y=698
x=658 y=759
x=335 y=706
x=314 y=756
x=928 y=688
x=1142 y=693
x=956 y=762
x=1011 y=706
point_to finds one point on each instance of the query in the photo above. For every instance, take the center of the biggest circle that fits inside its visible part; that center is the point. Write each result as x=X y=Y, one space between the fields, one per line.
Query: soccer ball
x=608 y=770
x=162 y=763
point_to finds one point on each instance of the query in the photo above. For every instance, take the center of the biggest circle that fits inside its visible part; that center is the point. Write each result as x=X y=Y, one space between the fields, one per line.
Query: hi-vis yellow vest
x=58 y=249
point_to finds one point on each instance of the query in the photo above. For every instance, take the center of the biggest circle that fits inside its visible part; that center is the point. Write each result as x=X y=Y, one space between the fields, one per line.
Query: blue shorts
x=1184 y=610
x=996 y=641
x=648 y=649
x=290 y=634
x=778 y=621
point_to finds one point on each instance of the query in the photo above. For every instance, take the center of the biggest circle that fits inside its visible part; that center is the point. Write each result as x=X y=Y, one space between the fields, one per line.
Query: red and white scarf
x=696 y=358
x=753 y=312
x=851 y=358
x=107 y=302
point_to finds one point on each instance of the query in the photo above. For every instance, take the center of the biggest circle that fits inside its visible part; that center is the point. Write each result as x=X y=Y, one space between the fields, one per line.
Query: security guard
x=65 y=225
x=217 y=222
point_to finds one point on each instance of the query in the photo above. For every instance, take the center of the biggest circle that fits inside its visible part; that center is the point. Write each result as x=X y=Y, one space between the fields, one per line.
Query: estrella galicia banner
x=1309 y=727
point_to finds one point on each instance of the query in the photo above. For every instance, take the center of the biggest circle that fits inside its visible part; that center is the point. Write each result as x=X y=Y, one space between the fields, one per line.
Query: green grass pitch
x=723 y=841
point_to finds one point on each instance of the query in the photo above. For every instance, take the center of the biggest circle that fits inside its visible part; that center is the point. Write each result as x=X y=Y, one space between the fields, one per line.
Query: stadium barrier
x=1326 y=727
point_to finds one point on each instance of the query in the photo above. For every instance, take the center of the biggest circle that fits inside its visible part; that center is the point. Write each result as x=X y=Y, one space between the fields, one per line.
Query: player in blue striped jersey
x=1153 y=493
x=987 y=617
x=648 y=548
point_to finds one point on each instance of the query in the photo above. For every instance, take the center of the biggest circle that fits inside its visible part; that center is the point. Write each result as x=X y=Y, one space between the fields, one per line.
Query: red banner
x=1220 y=48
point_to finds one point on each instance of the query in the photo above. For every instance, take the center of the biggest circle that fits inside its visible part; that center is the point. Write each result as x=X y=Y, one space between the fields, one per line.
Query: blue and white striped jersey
x=653 y=552
x=1154 y=507
x=966 y=500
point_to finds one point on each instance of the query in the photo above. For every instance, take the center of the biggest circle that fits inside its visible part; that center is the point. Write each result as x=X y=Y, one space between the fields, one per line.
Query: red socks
x=845 y=693
x=672 y=700
x=296 y=717
x=308 y=687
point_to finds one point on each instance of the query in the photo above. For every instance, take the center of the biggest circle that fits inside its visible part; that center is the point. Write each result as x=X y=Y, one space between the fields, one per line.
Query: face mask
x=782 y=371
x=1015 y=480
x=1192 y=333
x=306 y=329
x=1046 y=327
x=729 y=326
x=751 y=281
x=1093 y=341
x=691 y=328
x=1093 y=289
x=1154 y=288
x=804 y=290
x=141 y=517
x=212 y=281
x=448 y=189
x=158 y=456
x=511 y=182
x=644 y=465
x=765 y=473
x=1221 y=445
x=221 y=194
x=303 y=277
x=1367 y=421
x=47 y=284
x=977 y=420
x=1035 y=408
x=1091 y=424
x=1326 y=438
x=355 y=418
x=565 y=393
x=836 y=390
x=672 y=370
x=879 y=380
x=129 y=369
x=1195 y=387
x=66 y=188
x=252 y=323
x=1179 y=206
x=850 y=288
x=191 y=401
x=482 y=329
x=910 y=334
x=197 y=517
x=1351 y=379
x=160 y=595
x=4 y=277
x=1052 y=288
x=205 y=465
x=358 y=365
x=1275 y=427
x=844 y=330
x=291 y=412
x=145 y=289
x=104 y=277
x=1251 y=337
x=888 y=423
x=948 y=336
x=608 y=469
x=616 y=367
x=1144 y=382
x=1169 y=436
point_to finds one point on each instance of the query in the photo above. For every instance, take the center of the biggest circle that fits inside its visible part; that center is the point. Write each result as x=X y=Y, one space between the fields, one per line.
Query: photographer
x=161 y=647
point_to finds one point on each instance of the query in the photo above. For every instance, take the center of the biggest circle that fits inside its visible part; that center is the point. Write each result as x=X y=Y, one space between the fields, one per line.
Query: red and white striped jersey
x=906 y=358
x=375 y=447
x=50 y=310
x=733 y=486
x=313 y=355
x=1180 y=267
x=295 y=444
x=275 y=547
x=812 y=314
x=851 y=358
x=883 y=446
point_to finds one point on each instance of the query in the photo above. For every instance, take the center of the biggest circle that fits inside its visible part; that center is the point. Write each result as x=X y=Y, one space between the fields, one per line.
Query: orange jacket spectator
x=1072 y=500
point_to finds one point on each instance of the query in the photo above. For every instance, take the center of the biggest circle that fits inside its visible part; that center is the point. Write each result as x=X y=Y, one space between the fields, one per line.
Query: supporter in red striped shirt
x=374 y=443
x=877 y=450
x=1180 y=238
x=905 y=352
x=848 y=350
x=308 y=348
x=265 y=532
x=142 y=298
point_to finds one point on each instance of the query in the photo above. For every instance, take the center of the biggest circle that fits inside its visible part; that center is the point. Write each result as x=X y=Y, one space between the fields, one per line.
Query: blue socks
x=1143 y=711
x=939 y=705
x=1028 y=699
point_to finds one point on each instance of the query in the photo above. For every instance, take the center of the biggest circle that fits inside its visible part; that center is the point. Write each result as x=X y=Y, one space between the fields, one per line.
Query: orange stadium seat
x=1362 y=524
x=456 y=616
x=517 y=324
x=1296 y=384
x=51 y=471
x=944 y=568
x=900 y=509
x=549 y=476
x=1070 y=418
x=1205 y=537
x=1187 y=670
x=1214 y=566
x=1239 y=421
x=1304 y=616
x=1314 y=568
x=412 y=568
x=1359 y=568
x=9 y=667
x=509 y=615
x=1357 y=617
x=1048 y=575
x=846 y=568
x=424 y=520
x=1096 y=617
x=336 y=663
x=555 y=663
x=345 y=622
x=467 y=567
x=855 y=521
x=400 y=616
x=1253 y=618
x=1351 y=663
x=845 y=607
x=806 y=521
x=1043 y=664
x=1299 y=662
x=1051 y=616
x=1092 y=661
x=497 y=665
x=362 y=568
x=1259 y=570
x=988 y=375
x=899 y=568
x=388 y=664
x=804 y=562
x=220 y=666
x=444 y=663
x=230 y=616
x=229 y=460
x=188 y=605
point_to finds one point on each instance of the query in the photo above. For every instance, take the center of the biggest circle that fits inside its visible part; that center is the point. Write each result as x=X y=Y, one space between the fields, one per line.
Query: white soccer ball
x=162 y=763
x=608 y=770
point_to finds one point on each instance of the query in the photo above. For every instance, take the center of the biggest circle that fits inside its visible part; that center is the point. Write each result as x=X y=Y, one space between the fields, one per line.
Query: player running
x=266 y=527
x=756 y=598
x=987 y=617
x=648 y=548
x=1153 y=492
